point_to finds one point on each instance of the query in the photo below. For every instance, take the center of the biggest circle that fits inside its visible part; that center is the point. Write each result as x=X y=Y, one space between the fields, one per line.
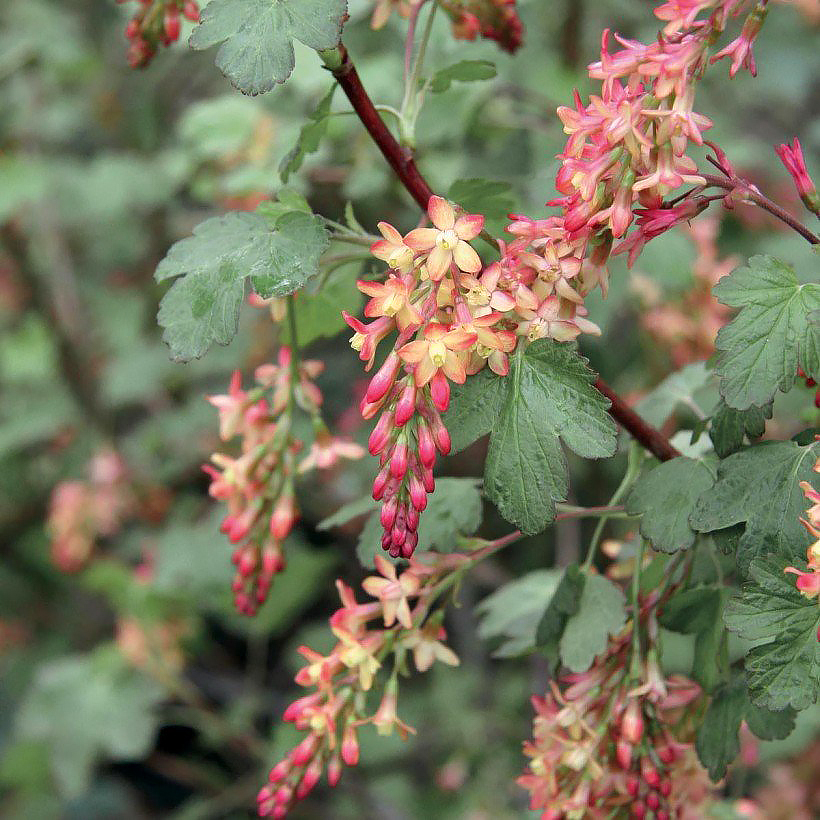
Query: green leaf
x=512 y=613
x=348 y=512
x=562 y=605
x=549 y=396
x=783 y=671
x=760 y=350
x=718 y=742
x=453 y=510
x=769 y=725
x=484 y=196
x=466 y=71
x=279 y=251
x=665 y=497
x=729 y=426
x=309 y=137
x=698 y=611
x=257 y=36
x=474 y=408
x=601 y=613
x=679 y=390
x=761 y=487
x=86 y=709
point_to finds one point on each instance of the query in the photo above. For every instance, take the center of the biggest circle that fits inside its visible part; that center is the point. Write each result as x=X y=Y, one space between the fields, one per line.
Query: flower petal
x=390 y=233
x=442 y=214
x=438 y=262
x=413 y=352
x=421 y=239
x=466 y=258
x=425 y=370
x=454 y=368
x=469 y=226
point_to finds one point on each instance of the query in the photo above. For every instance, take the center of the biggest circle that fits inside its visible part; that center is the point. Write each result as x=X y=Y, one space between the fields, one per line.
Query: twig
x=401 y=161
x=751 y=193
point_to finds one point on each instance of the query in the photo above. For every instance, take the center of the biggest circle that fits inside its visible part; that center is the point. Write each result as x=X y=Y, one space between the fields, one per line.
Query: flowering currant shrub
x=469 y=332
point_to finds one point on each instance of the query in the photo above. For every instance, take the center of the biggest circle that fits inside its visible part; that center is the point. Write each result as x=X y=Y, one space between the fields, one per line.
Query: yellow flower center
x=401 y=259
x=357 y=340
x=438 y=353
x=447 y=240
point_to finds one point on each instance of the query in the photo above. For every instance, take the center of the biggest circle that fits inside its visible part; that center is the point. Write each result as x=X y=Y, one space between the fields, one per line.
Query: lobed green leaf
x=256 y=36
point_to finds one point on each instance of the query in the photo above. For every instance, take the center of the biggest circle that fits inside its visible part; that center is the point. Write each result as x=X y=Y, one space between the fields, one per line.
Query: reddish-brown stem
x=401 y=161
x=753 y=195
x=652 y=439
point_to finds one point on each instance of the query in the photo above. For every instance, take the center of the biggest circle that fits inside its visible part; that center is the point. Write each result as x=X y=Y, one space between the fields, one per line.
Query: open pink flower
x=447 y=241
x=438 y=350
x=391 y=298
x=393 y=592
x=392 y=249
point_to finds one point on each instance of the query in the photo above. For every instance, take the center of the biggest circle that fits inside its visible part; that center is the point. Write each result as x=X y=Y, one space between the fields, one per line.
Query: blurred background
x=128 y=686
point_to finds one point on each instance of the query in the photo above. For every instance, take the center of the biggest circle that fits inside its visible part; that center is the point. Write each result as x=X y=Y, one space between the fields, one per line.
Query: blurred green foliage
x=101 y=170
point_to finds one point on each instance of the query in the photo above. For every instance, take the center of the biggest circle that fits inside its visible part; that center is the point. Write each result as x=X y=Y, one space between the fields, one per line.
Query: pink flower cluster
x=258 y=485
x=607 y=746
x=808 y=582
x=81 y=512
x=155 y=22
x=448 y=324
x=627 y=148
x=367 y=635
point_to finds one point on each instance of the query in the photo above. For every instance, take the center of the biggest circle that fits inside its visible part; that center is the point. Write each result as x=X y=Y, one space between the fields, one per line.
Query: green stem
x=635 y=668
x=294 y=356
x=633 y=467
x=409 y=105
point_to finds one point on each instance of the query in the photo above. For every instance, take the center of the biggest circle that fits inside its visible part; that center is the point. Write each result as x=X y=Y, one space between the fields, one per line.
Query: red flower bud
x=190 y=11
x=350 y=746
x=406 y=405
x=383 y=378
x=623 y=754
x=440 y=391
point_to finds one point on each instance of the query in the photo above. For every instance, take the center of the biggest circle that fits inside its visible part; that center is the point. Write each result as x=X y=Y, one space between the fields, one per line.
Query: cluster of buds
x=156 y=22
x=495 y=20
x=792 y=158
x=627 y=149
x=610 y=743
x=397 y=623
x=686 y=326
x=258 y=485
x=808 y=582
x=81 y=512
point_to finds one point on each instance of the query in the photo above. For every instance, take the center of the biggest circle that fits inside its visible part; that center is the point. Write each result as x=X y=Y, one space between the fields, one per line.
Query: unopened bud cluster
x=607 y=743
x=396 y=624
x=155 y=23
x=258 y=485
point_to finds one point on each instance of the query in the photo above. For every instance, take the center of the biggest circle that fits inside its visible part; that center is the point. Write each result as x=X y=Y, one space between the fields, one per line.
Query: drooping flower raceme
x=398 y=623
x=258 y=484
x=627 y=149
